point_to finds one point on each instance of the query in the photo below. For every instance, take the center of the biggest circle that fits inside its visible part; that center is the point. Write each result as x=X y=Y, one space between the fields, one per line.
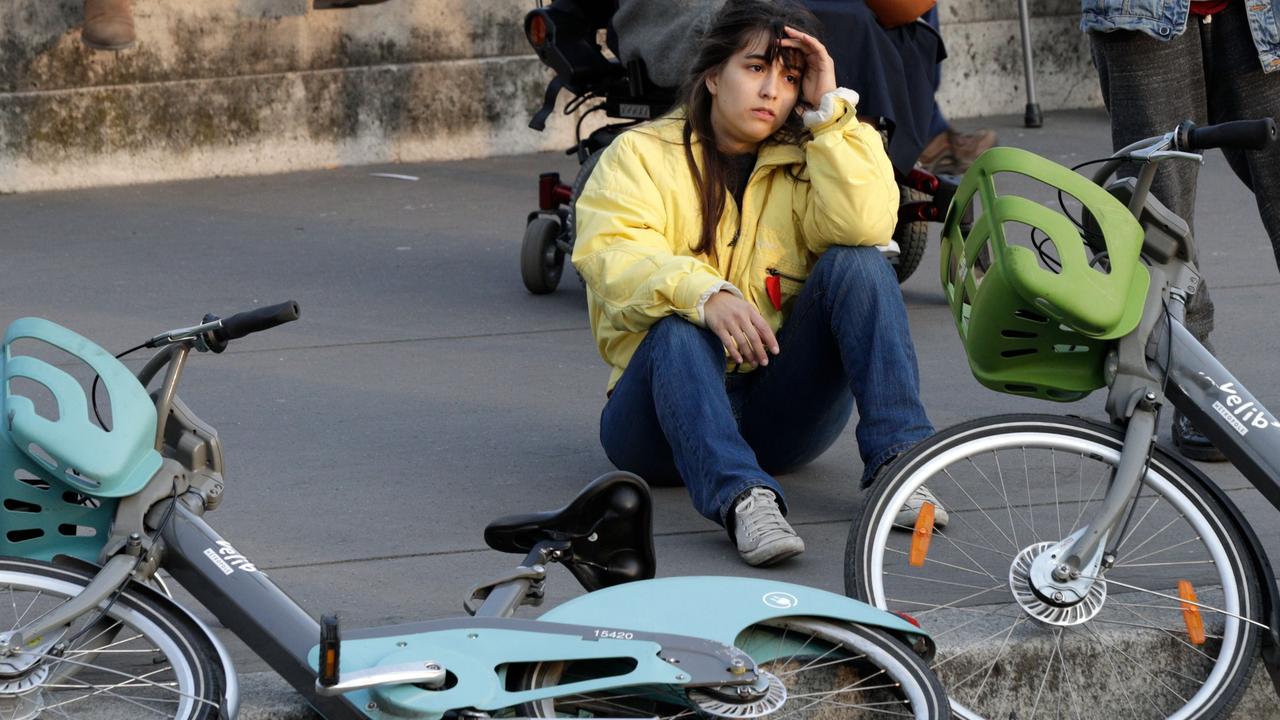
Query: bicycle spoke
x=54 y=660
x=1026 y=473
x=947 y=564
x=1035 y=705
x=1092 y=494
x=953 y=540
x=1126 y=563
x=1004 y=646
x=1141 y=667
x=973 y=646
x=118 y=696
x=953 y=602
x=1122 y=559
x=978 y=505
x=1120 y=670
x=941 y=582
x=1181 y=600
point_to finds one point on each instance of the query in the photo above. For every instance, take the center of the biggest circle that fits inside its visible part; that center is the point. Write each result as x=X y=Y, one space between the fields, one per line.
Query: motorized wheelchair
x=576 y=40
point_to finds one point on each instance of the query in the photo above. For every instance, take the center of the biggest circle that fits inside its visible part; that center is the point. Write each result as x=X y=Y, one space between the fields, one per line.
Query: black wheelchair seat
x=608 y=526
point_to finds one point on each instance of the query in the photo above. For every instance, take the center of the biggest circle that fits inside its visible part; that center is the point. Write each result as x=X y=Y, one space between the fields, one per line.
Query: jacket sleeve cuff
x=830 y=108
x=702 y=301
x=693 y=292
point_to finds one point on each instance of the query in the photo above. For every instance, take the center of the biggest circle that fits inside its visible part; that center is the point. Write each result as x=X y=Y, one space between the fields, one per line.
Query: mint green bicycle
x=1064 y=552
x=95 y=504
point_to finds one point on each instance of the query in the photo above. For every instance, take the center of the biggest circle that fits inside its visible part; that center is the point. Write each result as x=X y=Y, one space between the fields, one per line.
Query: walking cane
x=1032 y=117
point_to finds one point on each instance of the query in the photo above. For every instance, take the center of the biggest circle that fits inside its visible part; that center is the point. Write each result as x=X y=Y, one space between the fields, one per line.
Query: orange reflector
x=1191 y=613
x=922 y=534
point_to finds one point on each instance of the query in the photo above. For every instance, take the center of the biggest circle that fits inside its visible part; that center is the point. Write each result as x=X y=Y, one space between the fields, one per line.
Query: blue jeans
x=674 y=416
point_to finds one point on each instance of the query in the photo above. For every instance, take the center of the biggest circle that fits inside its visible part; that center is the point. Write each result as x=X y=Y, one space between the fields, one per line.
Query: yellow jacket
x=639 y=217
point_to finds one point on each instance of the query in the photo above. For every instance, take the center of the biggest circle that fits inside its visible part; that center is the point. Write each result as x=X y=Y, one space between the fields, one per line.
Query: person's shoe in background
x=952 y=152
x=1192 y=443
x=108 y=25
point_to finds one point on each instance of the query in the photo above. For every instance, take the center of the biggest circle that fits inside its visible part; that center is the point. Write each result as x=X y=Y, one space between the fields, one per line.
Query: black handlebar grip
x=1237 y=135
x=252 y=321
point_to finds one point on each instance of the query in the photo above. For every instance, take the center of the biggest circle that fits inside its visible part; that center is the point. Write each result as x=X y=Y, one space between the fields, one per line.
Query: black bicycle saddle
x=609 y=526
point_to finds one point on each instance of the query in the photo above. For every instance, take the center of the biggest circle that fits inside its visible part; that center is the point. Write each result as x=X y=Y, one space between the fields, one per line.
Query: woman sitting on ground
x=743 y=230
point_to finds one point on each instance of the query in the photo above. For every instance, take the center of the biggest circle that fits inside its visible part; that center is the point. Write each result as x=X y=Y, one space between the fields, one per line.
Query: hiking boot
x=910 y=512
x=761 y=533
x=108 y=25
x=1192 y=443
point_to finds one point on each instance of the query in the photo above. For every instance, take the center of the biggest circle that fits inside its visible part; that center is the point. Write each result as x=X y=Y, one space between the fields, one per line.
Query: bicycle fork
x=1064 y=572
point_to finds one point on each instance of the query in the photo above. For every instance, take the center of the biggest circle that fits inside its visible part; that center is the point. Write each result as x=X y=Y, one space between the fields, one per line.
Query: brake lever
x=195 y=333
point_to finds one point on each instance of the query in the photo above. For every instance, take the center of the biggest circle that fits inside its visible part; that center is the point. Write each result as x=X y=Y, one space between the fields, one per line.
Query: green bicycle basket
x=1029 y=328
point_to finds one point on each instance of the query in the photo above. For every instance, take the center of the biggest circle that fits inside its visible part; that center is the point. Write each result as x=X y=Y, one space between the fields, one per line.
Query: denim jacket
x=1164 y=19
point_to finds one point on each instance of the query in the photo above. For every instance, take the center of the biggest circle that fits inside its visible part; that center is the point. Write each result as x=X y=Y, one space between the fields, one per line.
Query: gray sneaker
x=910 y=512
x=761 y=533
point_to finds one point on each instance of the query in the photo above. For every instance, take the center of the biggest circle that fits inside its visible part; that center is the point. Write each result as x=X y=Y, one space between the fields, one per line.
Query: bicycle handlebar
x=252 y=321
x=1238 y=134
x=249 y=321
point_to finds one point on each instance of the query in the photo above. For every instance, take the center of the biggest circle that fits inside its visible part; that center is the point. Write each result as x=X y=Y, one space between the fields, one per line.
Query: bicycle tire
x=1180 y=677
x=824 y=654
x=163 y=663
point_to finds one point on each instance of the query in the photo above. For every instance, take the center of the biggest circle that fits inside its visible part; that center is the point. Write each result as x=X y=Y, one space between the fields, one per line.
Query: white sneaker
x=762 y=535
x=890 y=251
x=911 y=511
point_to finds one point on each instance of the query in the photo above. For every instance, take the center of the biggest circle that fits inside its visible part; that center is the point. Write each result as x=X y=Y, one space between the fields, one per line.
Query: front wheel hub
x=20 y=697
x=1050 y=605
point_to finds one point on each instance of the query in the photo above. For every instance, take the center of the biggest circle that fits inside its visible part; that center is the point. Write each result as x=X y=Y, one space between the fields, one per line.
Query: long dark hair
x=738 y=23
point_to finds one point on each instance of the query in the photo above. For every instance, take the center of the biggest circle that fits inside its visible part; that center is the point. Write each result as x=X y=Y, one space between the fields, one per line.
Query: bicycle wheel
x=138 y=660
x=811 y=668
x=1014 y=485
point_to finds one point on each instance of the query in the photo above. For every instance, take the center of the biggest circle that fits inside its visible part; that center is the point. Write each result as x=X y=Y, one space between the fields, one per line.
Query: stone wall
x=221 y=87
x=984 y=73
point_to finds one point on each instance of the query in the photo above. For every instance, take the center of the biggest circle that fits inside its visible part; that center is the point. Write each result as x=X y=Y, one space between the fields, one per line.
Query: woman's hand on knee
x=740 y=326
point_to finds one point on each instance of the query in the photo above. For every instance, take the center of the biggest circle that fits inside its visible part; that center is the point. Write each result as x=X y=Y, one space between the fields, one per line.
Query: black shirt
x=740 y=167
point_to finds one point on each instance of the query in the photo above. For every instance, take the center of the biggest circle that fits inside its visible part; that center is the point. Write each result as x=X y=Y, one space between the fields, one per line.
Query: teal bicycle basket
x=1033 y=328
x=61 y=474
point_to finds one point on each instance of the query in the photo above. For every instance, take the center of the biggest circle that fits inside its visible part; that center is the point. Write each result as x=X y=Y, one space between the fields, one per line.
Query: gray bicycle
x=1062 y=551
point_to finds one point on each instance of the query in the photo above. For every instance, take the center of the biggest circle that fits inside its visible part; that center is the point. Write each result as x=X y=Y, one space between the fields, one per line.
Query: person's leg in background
x=1149 y=86
x=949 y=151
x=1240 y=90
x=108 y=25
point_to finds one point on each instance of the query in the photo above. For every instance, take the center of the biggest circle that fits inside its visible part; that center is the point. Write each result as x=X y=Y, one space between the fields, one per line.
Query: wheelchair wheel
x=912 y=238
x=541 y=259
x=579 y=182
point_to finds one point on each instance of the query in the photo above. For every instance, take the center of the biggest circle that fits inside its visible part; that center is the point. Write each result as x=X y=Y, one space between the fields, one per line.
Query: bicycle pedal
x=330 y=651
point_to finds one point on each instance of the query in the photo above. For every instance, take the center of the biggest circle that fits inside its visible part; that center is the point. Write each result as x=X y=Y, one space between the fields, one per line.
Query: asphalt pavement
x=424 y=392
